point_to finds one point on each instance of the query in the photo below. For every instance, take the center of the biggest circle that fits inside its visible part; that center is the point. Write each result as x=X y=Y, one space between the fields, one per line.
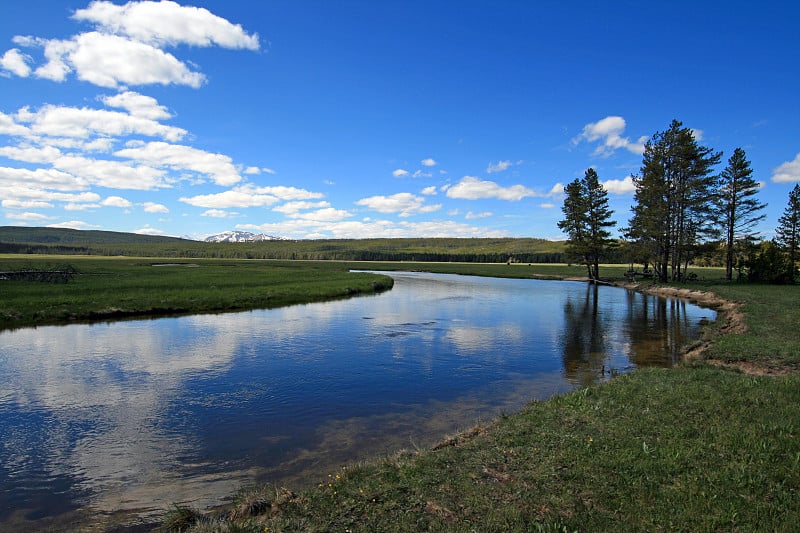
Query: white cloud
x=400 y=173
x=116 y=201
x=110 y=61
x=252 y=171
x=41 y=178
x=250 y=196
x=328 y=214
x=623 y=186
x=239 y=197
x=292 y=208
x=73 y=224
x=138 y=105
x=359 y=229
x=9 y=126
x=403 y=203
x=556 y=190
x=112 y=174
x=218 y=167
x=547 y=205
x=167 y=23
x=499 y=167
x=73 y=122
x=28 y=217
x=473 y=216
x=428 y=162
x=609 y=132
x=429 y=191
x=788 y=172
x=16 y=62
x=152 y=207
x=472 y=188
x=148 y=230
x=421 y=174
x=289 y=193
x=217 y=213
x=26 y=204
x=128 y=48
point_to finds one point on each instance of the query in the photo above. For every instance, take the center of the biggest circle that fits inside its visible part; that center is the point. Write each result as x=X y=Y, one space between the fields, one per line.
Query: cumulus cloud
x=608 y=132
x=428 y=162
x=472 y=188
x=429 y=191
x=152 y=207
x=788 y=172
x=138 y=105
x=623 y=186
x=86 y=123
x=403 y=203
x=218 y=167
x=249 y=195
x=16 y=62
x=292 y=208
x=73 y=224
x=167 y=23
x=355 y=229
x=473 y=216
x=127 y=46
x=116 y=201
x=400 y=173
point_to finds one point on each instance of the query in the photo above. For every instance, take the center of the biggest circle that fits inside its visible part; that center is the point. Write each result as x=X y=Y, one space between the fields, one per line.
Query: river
x=118 y=421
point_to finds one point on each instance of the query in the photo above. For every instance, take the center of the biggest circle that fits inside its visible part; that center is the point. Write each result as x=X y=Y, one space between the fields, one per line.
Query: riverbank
x=102 y=289
x=702 y=447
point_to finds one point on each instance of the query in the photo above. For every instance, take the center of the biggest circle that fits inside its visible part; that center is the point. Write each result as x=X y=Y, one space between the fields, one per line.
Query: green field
x=123 y=287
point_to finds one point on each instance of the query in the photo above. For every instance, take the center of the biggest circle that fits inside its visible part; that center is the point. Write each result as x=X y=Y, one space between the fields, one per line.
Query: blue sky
x=355 y=119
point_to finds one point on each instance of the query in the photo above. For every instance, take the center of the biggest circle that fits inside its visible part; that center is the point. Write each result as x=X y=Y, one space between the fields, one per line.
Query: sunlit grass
x=126 y=287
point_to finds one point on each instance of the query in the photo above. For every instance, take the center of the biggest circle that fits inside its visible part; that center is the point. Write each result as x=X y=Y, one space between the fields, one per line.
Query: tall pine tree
x=738 y=206
x=587 y=218
x=674 y=193
x=788 y=231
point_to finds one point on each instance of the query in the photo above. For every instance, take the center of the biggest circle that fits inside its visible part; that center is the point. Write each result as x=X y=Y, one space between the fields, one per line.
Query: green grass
x=108 y=288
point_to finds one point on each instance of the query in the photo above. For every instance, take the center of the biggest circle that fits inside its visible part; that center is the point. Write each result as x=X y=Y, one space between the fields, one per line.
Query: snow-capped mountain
x=241 y=236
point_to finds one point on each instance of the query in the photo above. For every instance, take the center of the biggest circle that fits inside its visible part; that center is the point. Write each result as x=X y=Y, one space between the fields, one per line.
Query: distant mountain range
x=241 y=236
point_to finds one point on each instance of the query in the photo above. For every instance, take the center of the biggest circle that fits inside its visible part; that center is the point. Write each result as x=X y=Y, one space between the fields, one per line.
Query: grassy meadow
x=124 y=287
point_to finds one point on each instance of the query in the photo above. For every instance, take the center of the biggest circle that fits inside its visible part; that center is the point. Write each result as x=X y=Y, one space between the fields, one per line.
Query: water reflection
x=138 y=415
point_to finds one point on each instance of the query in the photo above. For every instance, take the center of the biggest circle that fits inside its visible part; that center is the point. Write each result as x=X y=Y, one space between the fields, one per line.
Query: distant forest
x=25 y=240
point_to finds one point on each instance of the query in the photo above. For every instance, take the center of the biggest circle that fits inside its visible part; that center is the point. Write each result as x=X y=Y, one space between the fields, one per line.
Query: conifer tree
x=587 y=218
x=737 y=206
x=788 y=231
x=674 y=199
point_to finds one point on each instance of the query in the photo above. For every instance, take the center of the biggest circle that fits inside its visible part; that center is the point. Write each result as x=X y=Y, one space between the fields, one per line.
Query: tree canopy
x=587 y=218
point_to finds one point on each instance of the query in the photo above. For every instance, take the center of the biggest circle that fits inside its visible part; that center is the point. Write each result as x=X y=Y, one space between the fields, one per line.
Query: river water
x=119 y=421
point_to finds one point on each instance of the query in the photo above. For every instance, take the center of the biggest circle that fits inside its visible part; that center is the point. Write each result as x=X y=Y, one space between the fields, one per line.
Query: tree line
x=681 y=205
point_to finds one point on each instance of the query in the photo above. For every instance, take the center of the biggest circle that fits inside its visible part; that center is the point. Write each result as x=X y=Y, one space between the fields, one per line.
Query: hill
x=25 y=240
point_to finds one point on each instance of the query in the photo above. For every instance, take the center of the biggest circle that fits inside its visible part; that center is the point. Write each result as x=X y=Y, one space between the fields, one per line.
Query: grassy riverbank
x=703 y=447
x=115 y=288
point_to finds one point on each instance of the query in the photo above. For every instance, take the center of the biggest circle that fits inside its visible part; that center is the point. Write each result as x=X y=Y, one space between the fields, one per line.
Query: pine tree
x=587 y=218
x=738 y=206
x=674 y=199
x=788 y=231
